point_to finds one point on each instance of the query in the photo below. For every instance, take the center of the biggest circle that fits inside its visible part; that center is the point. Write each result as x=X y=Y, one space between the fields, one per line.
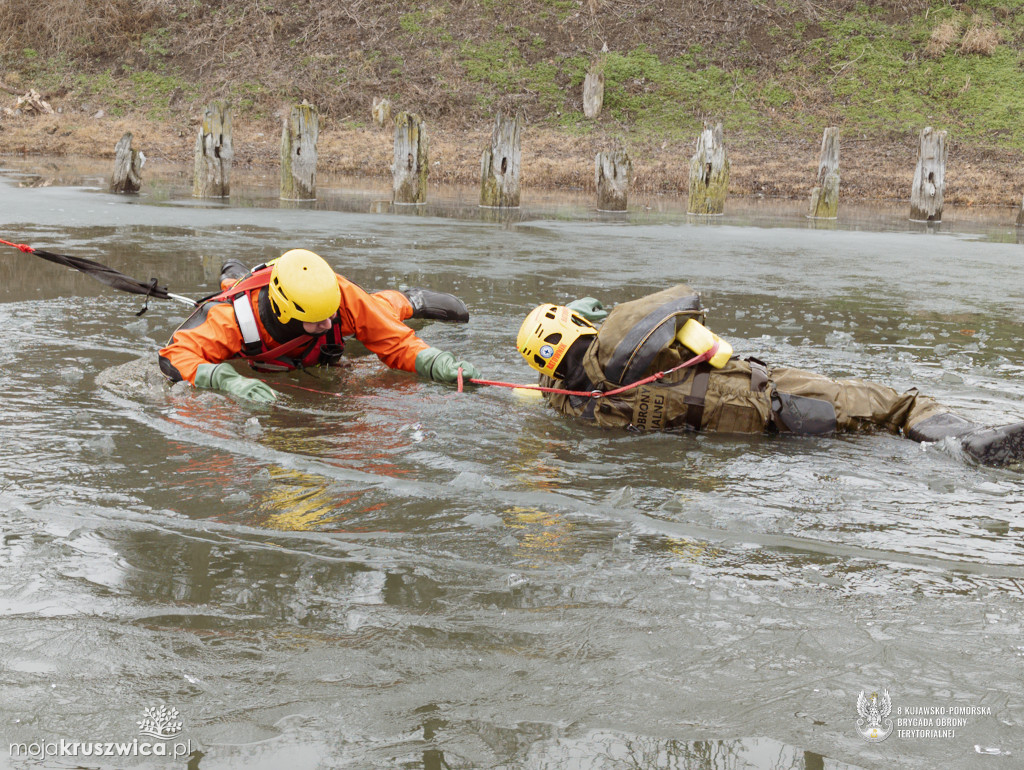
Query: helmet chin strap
x=280 y=331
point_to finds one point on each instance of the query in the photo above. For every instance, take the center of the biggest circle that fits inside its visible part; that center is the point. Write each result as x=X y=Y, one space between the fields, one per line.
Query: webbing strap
x=758 y=375
x=282 y=350
x=247 y=321
x=695 y=401
x=251 y=333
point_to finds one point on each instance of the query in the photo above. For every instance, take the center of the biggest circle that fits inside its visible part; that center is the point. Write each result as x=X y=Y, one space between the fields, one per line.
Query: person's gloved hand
x=589 y=308
x=224 y=377
x=441 y=366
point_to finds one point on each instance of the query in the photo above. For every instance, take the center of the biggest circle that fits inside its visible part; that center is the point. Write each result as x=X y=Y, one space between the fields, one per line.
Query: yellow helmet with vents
x=303 y=287
x=547 y=334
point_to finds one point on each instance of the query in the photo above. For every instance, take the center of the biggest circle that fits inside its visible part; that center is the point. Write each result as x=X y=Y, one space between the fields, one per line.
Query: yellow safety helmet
x=547 y=334
x=303 y=287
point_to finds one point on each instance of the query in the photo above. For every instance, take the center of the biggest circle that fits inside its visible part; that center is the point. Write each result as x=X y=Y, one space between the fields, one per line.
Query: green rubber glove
x=441 y=366
x=224 y=377
x=589 y=308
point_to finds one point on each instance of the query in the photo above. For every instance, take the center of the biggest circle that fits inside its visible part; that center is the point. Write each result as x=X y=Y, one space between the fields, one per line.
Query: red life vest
x=308 y=350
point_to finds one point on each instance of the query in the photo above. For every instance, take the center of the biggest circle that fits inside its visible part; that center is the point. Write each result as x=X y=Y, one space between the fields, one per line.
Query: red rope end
x=460 y=379
x=19 y=246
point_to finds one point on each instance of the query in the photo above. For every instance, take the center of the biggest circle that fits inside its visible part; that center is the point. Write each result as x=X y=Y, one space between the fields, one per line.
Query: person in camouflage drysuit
x=639 y=338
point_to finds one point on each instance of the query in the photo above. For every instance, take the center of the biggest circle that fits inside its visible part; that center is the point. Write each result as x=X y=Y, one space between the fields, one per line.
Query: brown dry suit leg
x=859 y=405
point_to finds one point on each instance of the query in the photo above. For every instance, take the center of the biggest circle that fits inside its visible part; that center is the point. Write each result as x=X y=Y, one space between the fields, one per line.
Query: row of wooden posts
x=500 y=165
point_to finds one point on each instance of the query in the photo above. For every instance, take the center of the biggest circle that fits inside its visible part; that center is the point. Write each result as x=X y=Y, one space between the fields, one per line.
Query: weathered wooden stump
x=214 y=153
x=825 y=197
x=929 y=178
x=709 y=174
x=128 y=163
x=381 y=111
x=593 y=90
x=1020 y=215
x=409 y=170
x=499 y=165
x=612 y=174
x=299 y=137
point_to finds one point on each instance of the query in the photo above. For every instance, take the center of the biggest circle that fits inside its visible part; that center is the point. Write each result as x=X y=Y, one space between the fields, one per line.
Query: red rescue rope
x=19 y=246
x=299 y=387
x=706 y=356
x=587 y=393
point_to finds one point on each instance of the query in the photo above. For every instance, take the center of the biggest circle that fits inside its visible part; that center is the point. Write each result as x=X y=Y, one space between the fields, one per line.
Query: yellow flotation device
x=700 y=339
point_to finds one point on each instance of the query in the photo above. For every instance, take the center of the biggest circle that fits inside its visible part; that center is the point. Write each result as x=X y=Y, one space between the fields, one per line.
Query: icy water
x=392 y=574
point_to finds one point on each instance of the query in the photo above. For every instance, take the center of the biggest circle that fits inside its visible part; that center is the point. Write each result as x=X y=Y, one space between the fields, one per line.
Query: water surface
x=388 y=573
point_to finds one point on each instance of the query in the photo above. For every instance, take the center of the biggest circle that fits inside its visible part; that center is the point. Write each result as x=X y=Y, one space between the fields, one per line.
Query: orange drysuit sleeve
x=367 y=319
x=211 y=337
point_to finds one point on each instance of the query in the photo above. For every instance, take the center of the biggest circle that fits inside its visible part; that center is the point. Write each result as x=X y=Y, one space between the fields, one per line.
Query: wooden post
x=593 y=90
x=612 y=174
x=929 y=178
x=214 y=153
x=299 y=137
x=409 y=170
x=709 y=174
x=499 y=165
x=1020 y=215
x=825 y=197
x=381 y=111
x=127 y=176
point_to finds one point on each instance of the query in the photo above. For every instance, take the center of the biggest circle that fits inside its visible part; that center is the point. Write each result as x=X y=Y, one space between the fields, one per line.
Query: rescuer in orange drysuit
x=294 y=312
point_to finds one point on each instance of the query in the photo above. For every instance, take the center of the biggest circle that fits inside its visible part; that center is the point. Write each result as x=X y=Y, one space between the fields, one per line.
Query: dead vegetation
x=74 y=28
x=341 y=54
x=980 y=39
x=943 y=36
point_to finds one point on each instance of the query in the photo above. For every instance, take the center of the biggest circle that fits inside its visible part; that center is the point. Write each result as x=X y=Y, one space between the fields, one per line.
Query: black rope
x=107 y=275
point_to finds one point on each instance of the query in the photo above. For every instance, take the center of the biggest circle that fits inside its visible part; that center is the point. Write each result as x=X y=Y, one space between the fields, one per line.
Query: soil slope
x=775 y=72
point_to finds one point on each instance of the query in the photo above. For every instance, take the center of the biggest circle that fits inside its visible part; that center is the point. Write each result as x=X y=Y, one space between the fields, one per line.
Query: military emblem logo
x=874 y=724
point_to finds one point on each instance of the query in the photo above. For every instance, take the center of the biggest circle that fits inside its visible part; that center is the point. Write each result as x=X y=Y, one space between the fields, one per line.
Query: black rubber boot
x=941 y=426
x=989 y=446
x=436 y=305
x=232 y=270
x=996 y=446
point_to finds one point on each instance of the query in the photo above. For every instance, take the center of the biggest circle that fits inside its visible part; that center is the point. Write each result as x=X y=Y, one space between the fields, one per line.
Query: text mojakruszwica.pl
x=133 y=748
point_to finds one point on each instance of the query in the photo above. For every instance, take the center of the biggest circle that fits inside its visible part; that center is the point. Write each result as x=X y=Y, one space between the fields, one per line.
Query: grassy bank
x=776 y=72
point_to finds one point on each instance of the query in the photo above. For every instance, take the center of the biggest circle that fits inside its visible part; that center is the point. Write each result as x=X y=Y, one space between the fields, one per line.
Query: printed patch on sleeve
x=649 y=409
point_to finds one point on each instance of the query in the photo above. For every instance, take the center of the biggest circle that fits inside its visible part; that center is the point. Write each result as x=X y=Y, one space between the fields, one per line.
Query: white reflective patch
x=246 y=319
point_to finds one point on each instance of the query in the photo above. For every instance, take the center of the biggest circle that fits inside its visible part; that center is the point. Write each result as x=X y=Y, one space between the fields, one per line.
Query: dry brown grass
x=76 y=27
x=980 y=39
x=943 y=36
